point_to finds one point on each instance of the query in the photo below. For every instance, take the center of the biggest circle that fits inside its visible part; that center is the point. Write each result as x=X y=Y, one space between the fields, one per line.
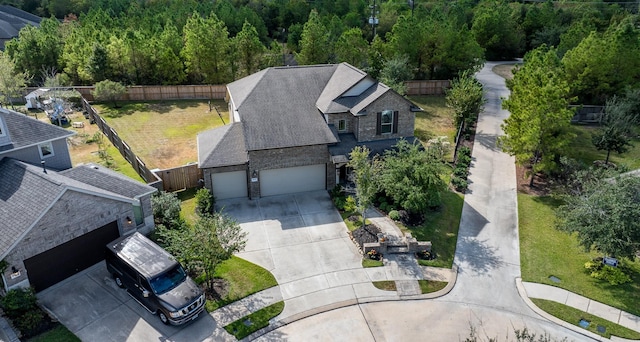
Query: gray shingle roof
x=222 y=146
x=102 y=178
x=12 y=20
x=343 y=79
x=24 y=196
x=26 y=193
x=348 y=142
x=277 y=107
x=26 y=131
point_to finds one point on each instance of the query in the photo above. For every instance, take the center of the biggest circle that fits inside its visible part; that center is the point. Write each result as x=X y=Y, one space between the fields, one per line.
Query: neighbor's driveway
x=94 y=308
x=300 y=238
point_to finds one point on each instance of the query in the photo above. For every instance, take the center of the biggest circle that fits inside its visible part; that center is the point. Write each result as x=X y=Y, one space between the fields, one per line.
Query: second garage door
x=229 y=184
x=292 y=179
x=69 y=258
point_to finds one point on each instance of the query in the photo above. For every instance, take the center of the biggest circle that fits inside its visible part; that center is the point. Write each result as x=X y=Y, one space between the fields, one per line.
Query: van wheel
x=163 y=317
x=118 y=281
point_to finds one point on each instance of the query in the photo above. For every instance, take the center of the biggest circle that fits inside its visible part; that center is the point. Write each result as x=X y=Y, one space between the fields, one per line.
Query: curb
x=357 y=301
x=523 y=294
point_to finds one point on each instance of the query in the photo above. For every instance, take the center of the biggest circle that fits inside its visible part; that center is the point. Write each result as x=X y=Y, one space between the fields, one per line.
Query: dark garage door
x=59 y=263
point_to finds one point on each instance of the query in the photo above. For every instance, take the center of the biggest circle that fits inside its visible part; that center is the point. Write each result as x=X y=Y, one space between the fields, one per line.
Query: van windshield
x=168 y=280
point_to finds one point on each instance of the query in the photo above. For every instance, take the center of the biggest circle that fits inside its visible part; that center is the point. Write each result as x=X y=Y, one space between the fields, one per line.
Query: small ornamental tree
x=412 y=177
x=465 y=98
x=605 y=216
x=213 y=239
x=616 y=132
x=364 y=171
x=109 y=91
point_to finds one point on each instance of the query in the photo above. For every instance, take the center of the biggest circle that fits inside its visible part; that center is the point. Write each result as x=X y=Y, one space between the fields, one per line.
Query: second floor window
x=342 y=125
x=386 y=122
x=46 y=150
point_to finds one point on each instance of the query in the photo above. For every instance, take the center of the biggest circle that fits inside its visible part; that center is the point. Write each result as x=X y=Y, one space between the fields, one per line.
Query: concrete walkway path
x=562 y=296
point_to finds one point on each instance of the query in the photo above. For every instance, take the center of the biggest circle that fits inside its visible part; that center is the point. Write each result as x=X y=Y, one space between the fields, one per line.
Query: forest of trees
x=138 y=42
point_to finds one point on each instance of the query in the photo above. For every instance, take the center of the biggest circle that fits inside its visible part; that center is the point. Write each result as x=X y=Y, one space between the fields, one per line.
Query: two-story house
x=54 y=219
x=292 y=129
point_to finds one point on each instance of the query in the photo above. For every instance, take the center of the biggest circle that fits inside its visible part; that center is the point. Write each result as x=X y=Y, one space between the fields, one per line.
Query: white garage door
x=292 y=179
x=229 y=184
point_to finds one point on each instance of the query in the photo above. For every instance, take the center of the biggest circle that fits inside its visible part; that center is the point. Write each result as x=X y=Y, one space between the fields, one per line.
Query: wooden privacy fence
x=180 y=178
x=427 y=87
x=174 y=179
x=138 y=165
x=151 y=93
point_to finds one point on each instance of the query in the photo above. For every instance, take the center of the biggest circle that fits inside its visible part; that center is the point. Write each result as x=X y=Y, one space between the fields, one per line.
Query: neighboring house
x=12 y=20
x=55 y=220
x=32 y=141
x=292 y=129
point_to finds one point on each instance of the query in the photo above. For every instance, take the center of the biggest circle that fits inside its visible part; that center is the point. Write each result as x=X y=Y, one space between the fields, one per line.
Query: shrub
x=460 y=172
x=394 y=215
x=336 y=191
x=464 y=151
x=463 y=161
x=17 y=302
x=384 y=206
x=166 y=209
x=339 y=202
x=613 y=275
x=350 y=204
x=204 y=202
x=29 y=321
x=459 y=184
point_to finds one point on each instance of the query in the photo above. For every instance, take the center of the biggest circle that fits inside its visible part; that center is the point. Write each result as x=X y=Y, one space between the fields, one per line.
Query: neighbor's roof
x=27 y=193
x=12 y=20
x=108 y=180
x=26 y=131
x=277 y=107
x=222 y=146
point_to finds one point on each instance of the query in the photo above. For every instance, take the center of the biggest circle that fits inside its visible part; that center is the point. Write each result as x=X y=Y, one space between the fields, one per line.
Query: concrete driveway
x=300 y=238
x=91 y=306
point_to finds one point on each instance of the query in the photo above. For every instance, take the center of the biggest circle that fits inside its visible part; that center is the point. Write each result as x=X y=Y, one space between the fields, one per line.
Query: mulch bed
x=540 y=184
x=362 y=235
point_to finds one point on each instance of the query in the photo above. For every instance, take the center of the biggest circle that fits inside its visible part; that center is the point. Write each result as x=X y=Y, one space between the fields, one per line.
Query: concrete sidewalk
x=354 y=290
x=556 y=294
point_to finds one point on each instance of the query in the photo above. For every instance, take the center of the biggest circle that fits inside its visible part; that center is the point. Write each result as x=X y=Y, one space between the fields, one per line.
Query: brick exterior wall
x=366 y=126
x=333 y=119
x=287 y=157
x=73 y=215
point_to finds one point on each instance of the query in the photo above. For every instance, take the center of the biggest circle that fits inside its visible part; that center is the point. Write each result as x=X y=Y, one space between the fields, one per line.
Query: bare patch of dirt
x=220 y=289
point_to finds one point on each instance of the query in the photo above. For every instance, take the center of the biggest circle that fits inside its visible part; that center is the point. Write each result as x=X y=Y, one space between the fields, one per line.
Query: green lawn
x=428 y=286
x=366 y=262
x=58 y=334
x=254 y=322
x=244 y=278
x=573 y=316
x=149 y=127
x=436 y=119
x=545 y=251
x=441 y=228
x=582 y=149
x=188 y=205
x=386 y=285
